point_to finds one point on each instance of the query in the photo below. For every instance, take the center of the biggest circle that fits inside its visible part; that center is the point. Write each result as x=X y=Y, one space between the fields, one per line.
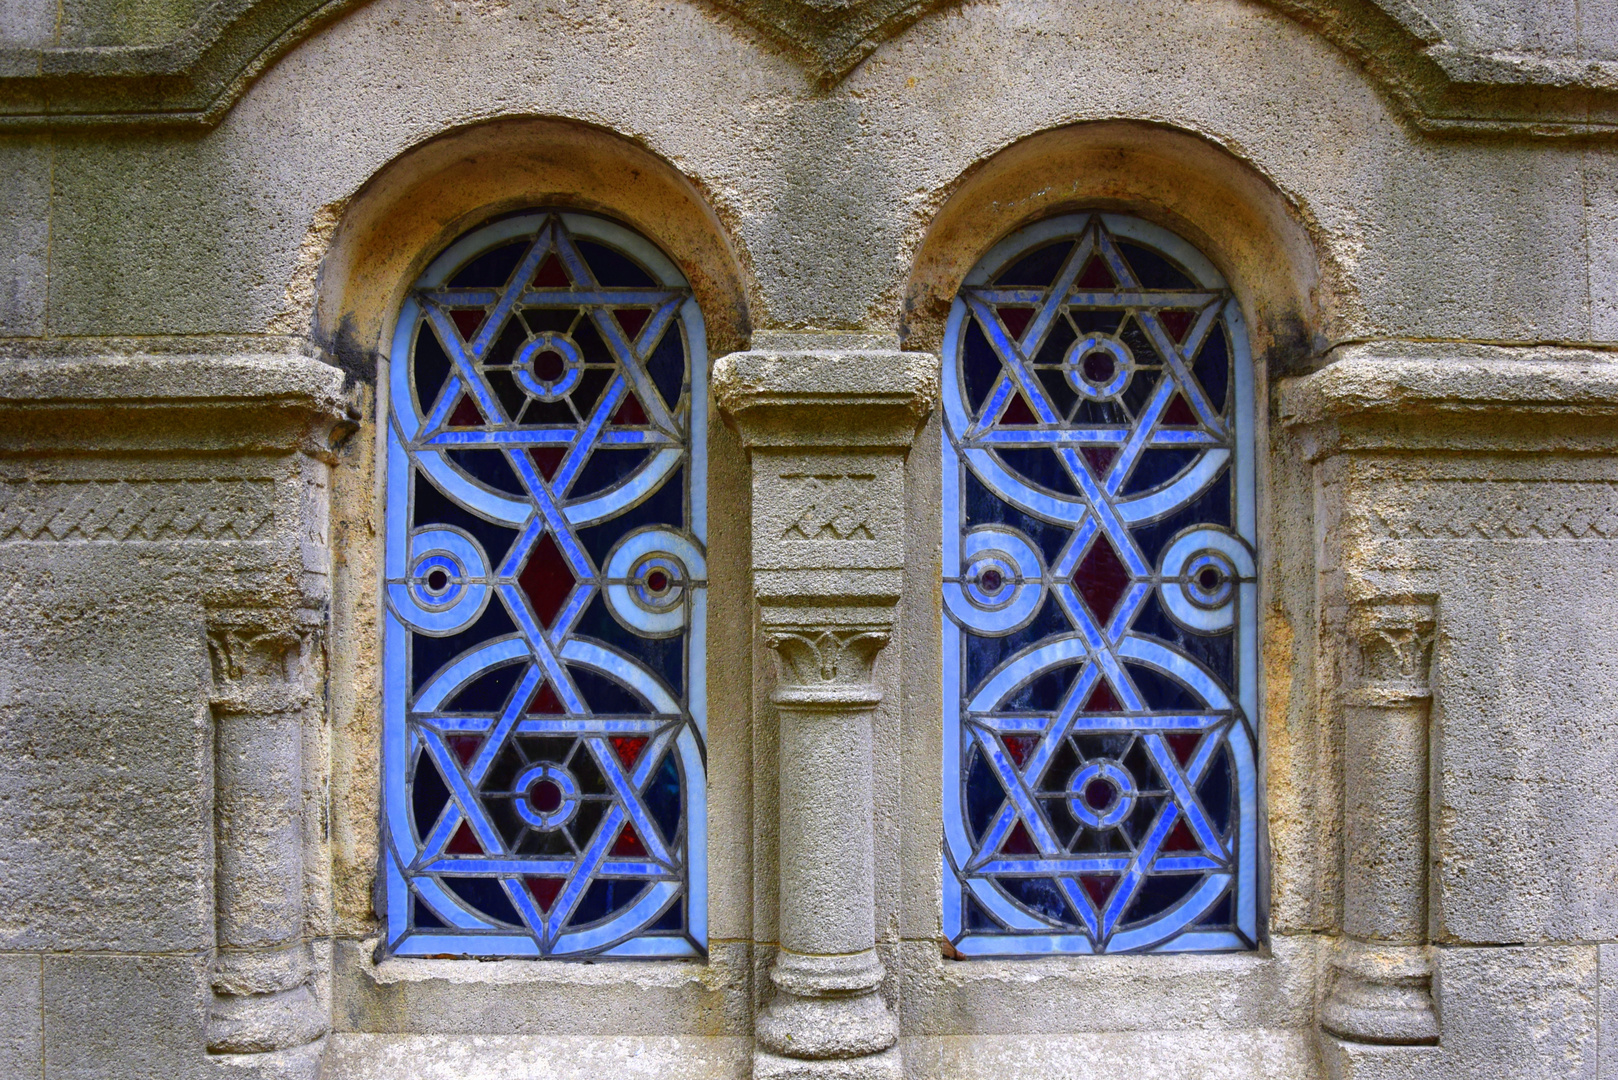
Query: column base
x=1381 y=994
x=265 y=1001
x=298 y=1063
x=886 y=1065
x=826 y=1027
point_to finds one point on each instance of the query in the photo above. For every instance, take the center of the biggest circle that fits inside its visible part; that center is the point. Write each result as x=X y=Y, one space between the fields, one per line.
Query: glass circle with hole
x=547 y=796
x=549 y=366
x=1202 y=572
x=991 y=580
x=437 y=580
x=659 y=583
x=1101 y=794
x=1210 y=578
x=1098 y=366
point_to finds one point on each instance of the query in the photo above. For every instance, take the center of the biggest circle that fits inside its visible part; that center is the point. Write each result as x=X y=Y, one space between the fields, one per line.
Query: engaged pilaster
x=828 y=421
x=1382 y=986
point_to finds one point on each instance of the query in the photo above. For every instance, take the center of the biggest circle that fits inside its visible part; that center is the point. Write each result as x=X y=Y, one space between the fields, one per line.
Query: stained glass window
x=546 y=590
x=1098 y=578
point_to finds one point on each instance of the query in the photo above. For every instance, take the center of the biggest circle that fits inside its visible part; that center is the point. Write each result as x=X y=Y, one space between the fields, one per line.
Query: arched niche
x=424 y=198
x=1252 y=232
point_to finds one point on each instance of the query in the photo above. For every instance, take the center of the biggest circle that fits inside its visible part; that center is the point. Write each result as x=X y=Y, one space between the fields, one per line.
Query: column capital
x=825 y=390
x=1393 y=643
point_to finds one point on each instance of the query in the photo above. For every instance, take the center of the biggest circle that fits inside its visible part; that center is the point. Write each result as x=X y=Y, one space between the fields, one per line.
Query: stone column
x=1382 y=978
x=267 y=676
x=828 y=421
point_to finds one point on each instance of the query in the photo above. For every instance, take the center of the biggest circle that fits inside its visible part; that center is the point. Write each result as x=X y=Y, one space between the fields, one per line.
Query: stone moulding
x=190 y=509
x=196 y=403
x=195 y=78
x=1415 y=394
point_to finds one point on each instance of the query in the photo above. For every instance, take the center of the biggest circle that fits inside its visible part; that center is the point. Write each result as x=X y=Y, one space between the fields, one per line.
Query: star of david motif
x=543 y=761
x=1098 y=579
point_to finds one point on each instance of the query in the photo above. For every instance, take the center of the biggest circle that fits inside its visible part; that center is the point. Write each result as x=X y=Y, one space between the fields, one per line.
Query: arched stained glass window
x=1100 y=652
x=545 y=599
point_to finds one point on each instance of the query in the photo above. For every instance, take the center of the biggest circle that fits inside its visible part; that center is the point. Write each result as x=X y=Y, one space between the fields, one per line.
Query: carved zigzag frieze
x=135 y=510
x=1483 y=509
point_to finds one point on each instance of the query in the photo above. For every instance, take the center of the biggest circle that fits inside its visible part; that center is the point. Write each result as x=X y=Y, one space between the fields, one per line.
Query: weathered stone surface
x=1052 y=996
x=1534 y=67
x=1270 y=1054
x=800 y=187
x=25 y=177
x=518 y=1057
x=1458 y=240
x=124 y=1017
x=21 y=1036
x=515 y=997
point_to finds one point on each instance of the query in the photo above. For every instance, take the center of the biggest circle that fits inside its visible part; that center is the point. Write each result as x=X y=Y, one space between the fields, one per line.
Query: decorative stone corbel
x=1382 y=976
x=267 y=675
x=827 y=422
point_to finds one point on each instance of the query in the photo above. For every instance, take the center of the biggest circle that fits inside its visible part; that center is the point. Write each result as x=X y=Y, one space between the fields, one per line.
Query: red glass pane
x=467 y=321
x=1180 y=839
x=632 y=319
x=1016 y=319
x=544 y=890
x=1099 y=457
x=467 y=414
x=628 y=749
x=1099 y=887
x=1101 y=699
x=465 y=747
x=547 y=579
x=551 y=274
x=545 y=796
x=1018 y=842
x=1018 y=412
x=464 y=842
x=545 y=702
x=547 y=459
x=1177 y=322
x=1101 y=579
x=1183 y=745
x=630 y=413
x=1179 y=412
x=1095 y=275
x=628 y=844
x=1020 y=746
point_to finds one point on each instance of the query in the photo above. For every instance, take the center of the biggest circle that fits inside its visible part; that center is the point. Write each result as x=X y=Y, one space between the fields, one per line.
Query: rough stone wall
x=174 y=471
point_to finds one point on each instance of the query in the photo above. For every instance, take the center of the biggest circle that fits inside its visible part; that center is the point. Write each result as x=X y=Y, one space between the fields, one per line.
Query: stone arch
x=411 y=208
x=1254 y=233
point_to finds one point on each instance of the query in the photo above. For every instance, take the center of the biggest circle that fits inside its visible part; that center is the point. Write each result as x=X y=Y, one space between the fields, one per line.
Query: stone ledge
x=812 y=395
x=527 y=997
x=1065 y=995
x=183 y=401
x=1456 y=397
x=521 y=1057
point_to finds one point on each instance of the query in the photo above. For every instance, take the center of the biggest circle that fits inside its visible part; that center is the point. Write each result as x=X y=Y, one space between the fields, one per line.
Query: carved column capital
x=826 y=668
x=827 y=421
x=1393 y=642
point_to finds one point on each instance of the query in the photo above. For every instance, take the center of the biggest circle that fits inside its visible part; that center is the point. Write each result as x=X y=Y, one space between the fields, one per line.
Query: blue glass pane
x=545 y=598
x=1101 y=598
